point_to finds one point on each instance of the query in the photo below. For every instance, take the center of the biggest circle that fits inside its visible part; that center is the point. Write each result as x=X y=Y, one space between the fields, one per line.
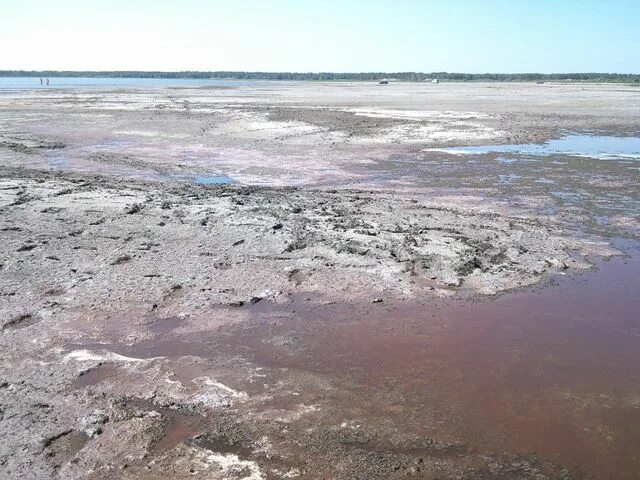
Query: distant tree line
x=332 y=76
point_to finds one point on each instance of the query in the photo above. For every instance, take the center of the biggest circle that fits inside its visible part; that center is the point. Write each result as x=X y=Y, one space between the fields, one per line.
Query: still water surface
x=25 y=83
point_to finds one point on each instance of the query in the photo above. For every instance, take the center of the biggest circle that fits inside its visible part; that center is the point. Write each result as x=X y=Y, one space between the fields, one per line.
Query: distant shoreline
x=331 y=76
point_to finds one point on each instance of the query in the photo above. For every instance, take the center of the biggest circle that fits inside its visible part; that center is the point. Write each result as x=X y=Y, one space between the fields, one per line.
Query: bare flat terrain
x=320 y=280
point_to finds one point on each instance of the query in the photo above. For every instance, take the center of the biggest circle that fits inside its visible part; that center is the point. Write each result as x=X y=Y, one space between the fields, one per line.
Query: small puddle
x=112 y=144
x=213 y=180
x=161 y=326
x=592 y=146
x=97 y=375
x=180 y=428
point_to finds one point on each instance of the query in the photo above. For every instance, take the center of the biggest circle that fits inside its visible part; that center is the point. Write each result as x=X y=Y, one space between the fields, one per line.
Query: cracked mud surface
x=331 y=313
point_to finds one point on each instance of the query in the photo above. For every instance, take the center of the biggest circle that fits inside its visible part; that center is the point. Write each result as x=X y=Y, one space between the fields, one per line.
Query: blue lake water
x=594 y=146
x=26 y=83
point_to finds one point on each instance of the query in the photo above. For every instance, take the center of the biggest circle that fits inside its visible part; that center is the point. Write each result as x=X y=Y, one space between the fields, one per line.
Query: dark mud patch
x=223 y=445
x=61 y=448
x=121 y=259
x=21 y=321
x=31 y=147
x=333 y=120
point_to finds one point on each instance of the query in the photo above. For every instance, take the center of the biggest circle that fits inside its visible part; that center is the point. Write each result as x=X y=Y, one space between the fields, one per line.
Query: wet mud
x=320 y=281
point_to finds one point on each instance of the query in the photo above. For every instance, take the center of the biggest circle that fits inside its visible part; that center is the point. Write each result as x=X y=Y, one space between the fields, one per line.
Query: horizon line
x=316 y=72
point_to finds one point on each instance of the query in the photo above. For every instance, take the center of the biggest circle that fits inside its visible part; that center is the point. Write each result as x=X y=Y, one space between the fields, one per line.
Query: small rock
x=92 y=423
x=557 y=263
x=135 y=208
x=277 y=226
x=121 y=259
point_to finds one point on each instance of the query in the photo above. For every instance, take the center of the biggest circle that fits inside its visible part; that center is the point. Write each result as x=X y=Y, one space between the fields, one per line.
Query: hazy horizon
x=346 y=72
x=462 y=36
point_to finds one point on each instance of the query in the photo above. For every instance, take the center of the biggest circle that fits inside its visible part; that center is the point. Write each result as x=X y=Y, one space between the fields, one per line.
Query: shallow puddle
x=594 y=146
x=554 y=371
x=180 y=427
x=213 y=180
x=165 y=325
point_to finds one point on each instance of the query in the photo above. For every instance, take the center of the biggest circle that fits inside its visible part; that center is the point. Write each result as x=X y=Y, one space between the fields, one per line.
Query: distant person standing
x=47 y=82
x=40 y=80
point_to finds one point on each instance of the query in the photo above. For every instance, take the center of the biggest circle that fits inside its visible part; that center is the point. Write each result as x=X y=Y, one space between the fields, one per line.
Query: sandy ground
x=153 y=327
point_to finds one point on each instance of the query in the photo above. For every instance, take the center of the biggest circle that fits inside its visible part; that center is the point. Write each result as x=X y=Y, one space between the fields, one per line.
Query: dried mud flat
x=156 y=328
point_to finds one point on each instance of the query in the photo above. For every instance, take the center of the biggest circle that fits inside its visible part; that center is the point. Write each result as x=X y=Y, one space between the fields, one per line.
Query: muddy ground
x=331 y=312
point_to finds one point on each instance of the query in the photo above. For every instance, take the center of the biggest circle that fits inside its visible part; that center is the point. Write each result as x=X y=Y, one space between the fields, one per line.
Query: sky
x=474 y=36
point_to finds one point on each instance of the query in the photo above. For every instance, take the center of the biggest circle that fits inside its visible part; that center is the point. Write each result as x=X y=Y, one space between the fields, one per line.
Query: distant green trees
x=333 y=76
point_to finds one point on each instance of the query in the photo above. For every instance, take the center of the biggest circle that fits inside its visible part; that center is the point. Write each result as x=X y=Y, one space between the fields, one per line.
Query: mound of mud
x=119 y=242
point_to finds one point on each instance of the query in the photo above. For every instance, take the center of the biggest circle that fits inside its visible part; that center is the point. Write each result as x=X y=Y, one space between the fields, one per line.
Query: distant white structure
x=435 y=80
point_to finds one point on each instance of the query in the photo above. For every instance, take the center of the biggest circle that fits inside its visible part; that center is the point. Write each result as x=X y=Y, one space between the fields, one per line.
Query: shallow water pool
x=593 y=146
x=213 y=180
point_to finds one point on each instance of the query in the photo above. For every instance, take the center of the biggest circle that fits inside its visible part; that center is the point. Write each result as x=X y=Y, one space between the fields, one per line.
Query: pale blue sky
x=322 y=35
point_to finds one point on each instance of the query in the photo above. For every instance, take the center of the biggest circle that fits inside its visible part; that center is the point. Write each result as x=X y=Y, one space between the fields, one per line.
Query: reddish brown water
x=554 y=371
